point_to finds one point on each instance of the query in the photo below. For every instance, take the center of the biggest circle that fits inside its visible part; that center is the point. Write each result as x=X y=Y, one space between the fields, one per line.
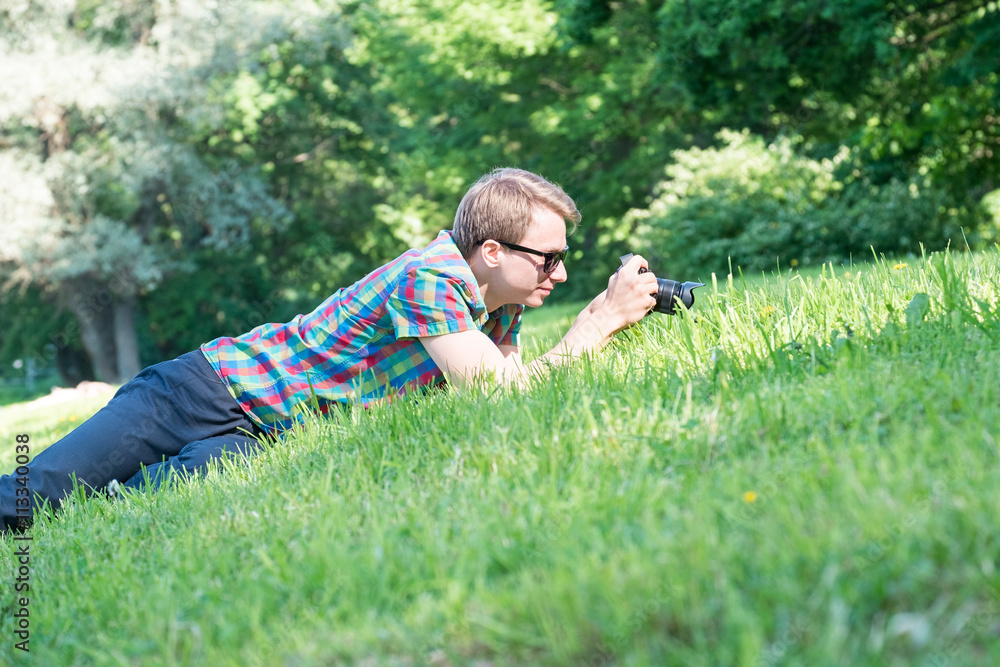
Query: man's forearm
x=590 y=332
x=627 y=300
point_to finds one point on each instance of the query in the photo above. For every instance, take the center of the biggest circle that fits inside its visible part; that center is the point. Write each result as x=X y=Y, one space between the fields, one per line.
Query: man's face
x=529 y=283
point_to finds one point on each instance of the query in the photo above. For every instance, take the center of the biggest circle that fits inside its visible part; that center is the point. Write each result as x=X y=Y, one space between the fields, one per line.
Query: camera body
x=668 y=292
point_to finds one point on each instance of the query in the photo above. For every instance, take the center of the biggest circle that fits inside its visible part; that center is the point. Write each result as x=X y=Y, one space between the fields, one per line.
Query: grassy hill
x=802 y=473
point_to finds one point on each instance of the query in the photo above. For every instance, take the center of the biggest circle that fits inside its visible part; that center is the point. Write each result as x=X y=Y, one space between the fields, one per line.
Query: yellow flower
x=767 y=311
x=750 y=496
x=900 y=265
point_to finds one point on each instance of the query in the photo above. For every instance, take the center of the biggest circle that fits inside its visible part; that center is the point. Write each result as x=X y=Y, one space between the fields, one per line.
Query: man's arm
x=466 y=355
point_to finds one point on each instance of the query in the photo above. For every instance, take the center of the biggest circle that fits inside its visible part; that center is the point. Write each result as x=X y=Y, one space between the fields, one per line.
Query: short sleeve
x=429 y=301
x=504 y=326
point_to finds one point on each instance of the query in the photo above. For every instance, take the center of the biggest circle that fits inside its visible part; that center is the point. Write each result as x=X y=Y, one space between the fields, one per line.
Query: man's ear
x=490 y=251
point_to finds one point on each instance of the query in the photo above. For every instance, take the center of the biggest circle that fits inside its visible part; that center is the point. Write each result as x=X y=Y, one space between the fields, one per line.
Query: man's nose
x=560 y=274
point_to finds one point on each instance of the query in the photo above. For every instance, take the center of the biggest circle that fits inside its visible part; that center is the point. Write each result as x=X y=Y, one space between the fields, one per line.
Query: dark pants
x=177 y=415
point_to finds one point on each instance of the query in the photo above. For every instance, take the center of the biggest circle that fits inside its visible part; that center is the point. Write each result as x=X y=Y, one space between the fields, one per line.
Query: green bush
x=763 y=205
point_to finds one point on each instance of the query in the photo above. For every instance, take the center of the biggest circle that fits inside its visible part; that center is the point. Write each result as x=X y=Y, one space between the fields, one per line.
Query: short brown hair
x=500 y=204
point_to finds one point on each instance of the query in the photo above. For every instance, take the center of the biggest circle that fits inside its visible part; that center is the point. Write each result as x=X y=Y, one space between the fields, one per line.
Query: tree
x=472 y=86
x=913 y=86
x=104 y=194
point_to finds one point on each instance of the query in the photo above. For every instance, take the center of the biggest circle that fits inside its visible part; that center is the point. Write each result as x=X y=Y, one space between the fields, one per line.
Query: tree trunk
x=92 y=307
x=98 y=339
x=126 y=338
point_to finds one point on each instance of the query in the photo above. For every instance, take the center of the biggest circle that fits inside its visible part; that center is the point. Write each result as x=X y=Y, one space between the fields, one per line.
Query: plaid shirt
x=360 y=345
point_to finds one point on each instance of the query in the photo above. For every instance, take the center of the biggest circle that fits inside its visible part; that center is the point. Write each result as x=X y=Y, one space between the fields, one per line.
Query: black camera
x=669 y=291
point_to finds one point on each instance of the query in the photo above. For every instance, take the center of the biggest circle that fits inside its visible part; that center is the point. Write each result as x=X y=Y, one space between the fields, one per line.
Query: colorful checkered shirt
x=360 y=345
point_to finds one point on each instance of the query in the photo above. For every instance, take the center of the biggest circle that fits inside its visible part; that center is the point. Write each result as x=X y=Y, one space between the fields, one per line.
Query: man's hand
x=629 y=297
x=627 y=300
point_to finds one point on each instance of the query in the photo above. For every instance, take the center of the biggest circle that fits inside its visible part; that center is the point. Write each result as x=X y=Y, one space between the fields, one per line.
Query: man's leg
x=152 y=417
x=195 y=457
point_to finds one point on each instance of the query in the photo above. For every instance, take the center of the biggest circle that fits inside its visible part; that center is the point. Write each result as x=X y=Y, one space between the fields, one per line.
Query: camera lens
x=669 y=291
x=666 y=290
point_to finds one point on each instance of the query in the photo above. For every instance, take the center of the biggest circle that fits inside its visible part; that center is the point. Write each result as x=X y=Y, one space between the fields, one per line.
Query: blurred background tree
x=175 y=171
x=104 y=194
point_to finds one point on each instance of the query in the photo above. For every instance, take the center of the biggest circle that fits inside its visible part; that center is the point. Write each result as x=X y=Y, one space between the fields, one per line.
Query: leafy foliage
x=241 y=142
x=758 y=205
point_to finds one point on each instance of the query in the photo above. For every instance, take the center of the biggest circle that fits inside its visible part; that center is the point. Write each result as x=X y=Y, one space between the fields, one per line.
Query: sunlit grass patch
x=801 y=470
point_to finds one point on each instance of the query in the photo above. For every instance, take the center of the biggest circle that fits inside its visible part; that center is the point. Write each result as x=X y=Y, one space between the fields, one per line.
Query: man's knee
x=200 y=453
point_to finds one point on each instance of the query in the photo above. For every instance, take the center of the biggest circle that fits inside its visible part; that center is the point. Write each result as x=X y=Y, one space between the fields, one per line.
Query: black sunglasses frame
x=552 y=259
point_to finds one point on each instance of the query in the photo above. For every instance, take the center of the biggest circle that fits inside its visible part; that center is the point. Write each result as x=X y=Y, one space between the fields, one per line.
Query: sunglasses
x=552 y=259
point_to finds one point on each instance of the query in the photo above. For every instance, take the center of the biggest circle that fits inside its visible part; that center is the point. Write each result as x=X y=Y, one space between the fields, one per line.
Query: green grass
x=803 y=473
x=20 y=393
x=43 y=422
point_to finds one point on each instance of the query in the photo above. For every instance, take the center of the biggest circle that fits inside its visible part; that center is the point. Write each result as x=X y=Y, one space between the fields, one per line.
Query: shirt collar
x=464 y=271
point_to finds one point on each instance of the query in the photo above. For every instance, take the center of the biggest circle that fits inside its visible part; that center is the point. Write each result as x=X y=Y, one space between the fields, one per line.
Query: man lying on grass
x=449 y=311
